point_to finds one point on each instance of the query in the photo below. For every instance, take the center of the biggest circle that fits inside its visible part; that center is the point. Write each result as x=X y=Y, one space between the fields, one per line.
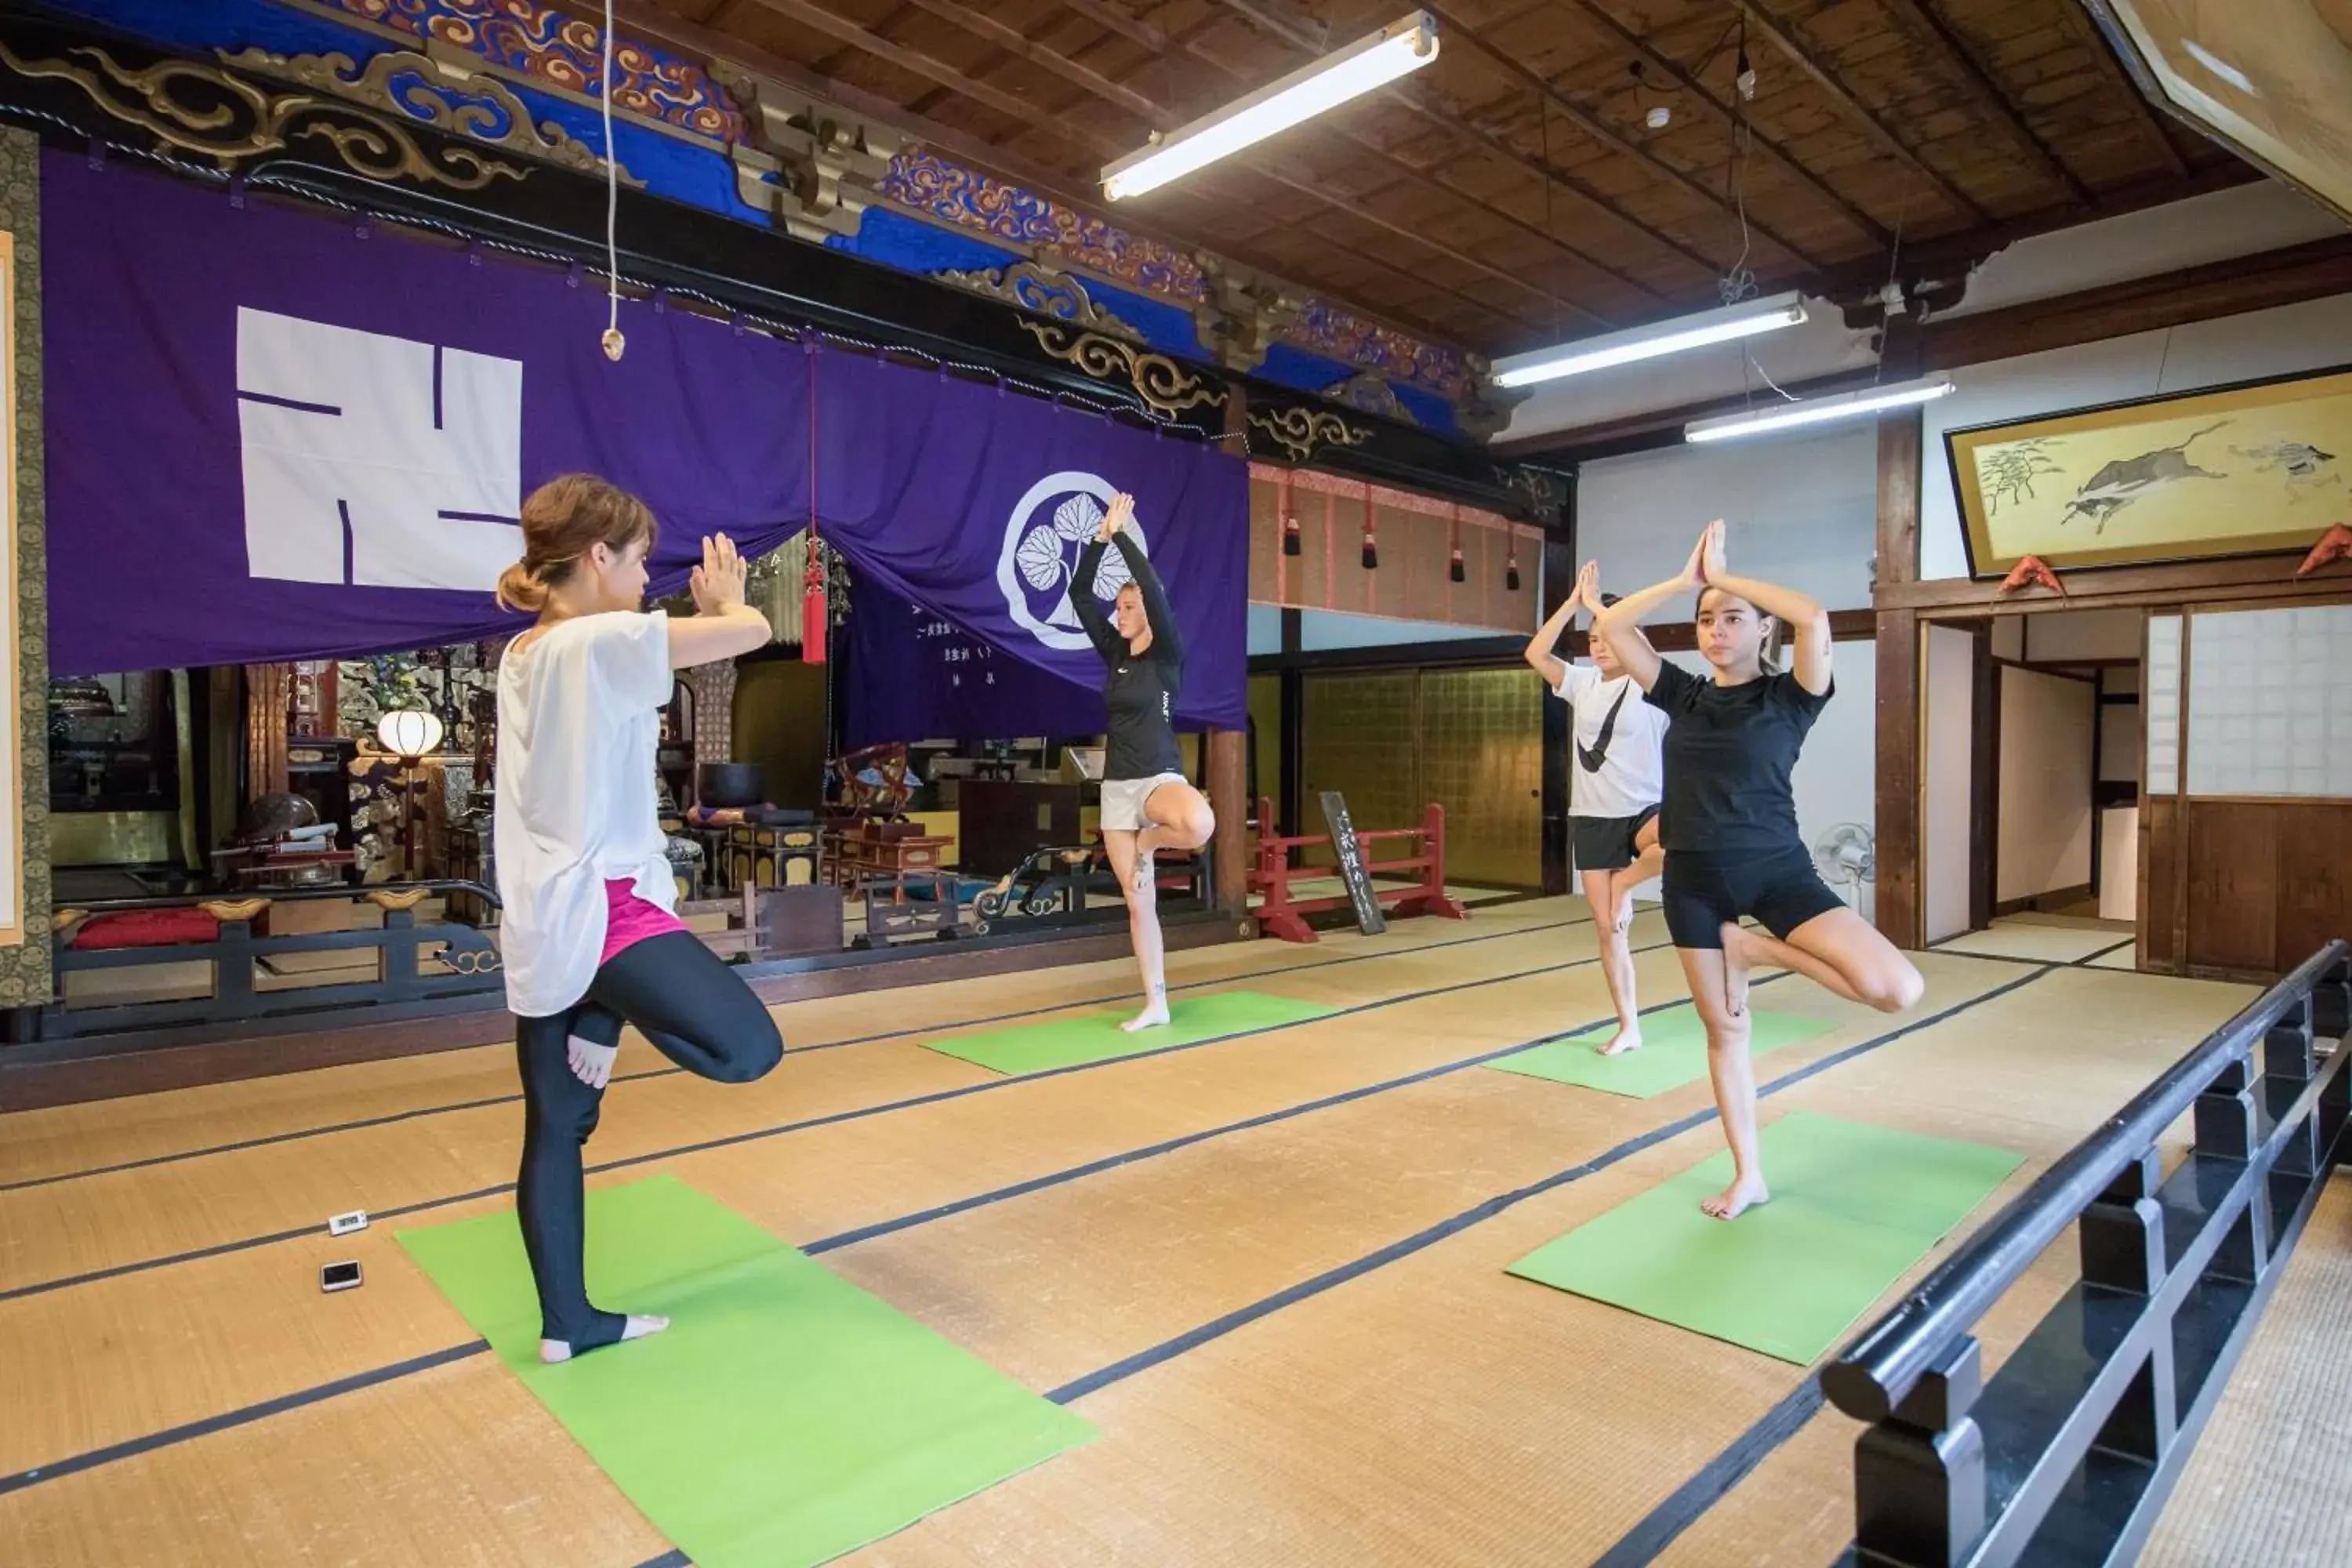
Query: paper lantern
x=409 y=732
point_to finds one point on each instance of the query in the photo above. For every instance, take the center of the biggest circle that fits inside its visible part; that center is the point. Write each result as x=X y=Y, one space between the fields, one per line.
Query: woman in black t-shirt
x=1730 y=825
x=1148 y=805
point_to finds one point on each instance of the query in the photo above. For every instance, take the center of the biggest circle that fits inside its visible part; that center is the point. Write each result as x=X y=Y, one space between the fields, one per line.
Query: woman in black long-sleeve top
x=1147 y=802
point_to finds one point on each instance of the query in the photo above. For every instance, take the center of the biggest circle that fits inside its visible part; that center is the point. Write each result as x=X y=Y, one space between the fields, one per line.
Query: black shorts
x=1778 y=886
x=1606 y=843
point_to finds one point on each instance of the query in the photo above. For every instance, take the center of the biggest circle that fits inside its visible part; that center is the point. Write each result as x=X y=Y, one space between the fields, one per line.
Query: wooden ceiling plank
x=1870 y=228
x=1463 y=126
x=1990 y=96
x=2144 y=116
x=656 y=24
x=1859 y=112
x=1600 y=130
x=1119 y=21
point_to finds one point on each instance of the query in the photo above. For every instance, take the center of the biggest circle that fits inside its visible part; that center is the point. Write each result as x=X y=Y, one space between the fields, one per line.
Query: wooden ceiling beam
x=2317 y=269
x=1160 y=118
x=1286 y=19
x=1458 y=122
x=1870 y=228
x=1016 y=43
x=2144 y=116
x=1112 y=19
x=1600 y=130
x=1854 y=110
x=655 y=23
x=1085 y=138
x=1992 y=98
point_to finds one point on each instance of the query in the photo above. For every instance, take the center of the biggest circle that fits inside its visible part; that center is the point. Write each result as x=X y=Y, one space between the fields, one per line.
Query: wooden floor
x=1297 y=1338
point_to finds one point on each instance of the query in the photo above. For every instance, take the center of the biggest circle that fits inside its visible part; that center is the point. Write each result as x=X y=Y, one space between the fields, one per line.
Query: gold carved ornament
x=244 y=120
x=1300 y=431
x=1165 y=386
x=439 y=98
x=1036 y=286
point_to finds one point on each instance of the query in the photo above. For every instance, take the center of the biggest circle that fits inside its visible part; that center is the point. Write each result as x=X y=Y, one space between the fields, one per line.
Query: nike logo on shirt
x=1592 y=758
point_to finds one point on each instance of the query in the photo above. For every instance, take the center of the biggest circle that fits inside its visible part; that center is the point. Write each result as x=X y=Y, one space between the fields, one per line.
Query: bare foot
x=1628 y=1037
x=1744 y=1194
x=638 y=1327
x=1154 y=1016
x=1738 y=957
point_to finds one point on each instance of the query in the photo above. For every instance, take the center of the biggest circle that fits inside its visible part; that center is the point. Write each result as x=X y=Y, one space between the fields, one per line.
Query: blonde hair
x=562 y=520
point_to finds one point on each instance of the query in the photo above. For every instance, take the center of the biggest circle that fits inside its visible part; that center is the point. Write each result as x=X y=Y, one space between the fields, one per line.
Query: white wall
x=2314 y=335
x=2045 y=783
x=1320 y=629
x=1948 y=759
x=1804 y=511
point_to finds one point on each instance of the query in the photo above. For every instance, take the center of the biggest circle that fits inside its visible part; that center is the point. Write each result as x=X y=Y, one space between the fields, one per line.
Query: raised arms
x=724 y=626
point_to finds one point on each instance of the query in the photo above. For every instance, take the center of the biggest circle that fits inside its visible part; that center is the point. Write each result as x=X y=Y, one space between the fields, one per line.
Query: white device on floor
x=344 y=1224
x=337 y=1277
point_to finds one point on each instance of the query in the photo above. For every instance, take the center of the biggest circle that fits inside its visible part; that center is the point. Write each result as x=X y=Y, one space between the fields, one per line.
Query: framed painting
x=2230 y=471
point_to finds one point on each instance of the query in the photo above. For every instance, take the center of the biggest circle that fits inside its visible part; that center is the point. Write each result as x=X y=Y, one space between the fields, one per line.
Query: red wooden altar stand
x=1286 y=917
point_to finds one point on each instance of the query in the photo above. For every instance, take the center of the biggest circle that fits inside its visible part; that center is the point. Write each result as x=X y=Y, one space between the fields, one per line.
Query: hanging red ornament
x=813 y=607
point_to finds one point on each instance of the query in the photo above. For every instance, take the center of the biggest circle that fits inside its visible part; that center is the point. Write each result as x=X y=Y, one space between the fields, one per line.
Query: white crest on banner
x=1048 y=528
x=376 y=461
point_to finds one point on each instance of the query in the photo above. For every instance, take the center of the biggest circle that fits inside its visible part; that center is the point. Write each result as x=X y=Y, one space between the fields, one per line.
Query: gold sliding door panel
x=1480 y=746
x=1360 y=741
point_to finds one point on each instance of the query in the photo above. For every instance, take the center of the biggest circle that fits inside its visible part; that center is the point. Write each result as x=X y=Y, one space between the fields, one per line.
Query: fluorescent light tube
x=1816 y=411
x=1741 y=320
x=1318 y=86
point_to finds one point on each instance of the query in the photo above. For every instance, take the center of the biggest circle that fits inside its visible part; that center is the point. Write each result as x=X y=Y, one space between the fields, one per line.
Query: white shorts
x=1123 y=800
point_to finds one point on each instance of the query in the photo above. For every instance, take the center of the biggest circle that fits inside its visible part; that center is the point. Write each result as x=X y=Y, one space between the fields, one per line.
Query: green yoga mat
x=1672 y=1053
x=1853 y=1207
x=784 y=1417
x=1097 y=1037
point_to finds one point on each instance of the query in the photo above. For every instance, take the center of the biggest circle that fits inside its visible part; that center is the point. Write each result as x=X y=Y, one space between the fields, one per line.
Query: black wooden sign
x=1369 y=918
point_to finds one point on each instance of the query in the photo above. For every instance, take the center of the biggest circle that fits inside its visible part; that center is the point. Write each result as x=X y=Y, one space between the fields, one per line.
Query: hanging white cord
x=614 y=342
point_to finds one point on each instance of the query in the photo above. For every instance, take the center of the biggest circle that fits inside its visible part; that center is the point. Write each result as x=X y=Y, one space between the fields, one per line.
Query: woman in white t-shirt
x=587 y=933
x=1615 y=780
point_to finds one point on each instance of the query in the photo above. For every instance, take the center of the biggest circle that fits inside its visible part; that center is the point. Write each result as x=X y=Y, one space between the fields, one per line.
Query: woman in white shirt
x=1615 y=780
x=588 y=932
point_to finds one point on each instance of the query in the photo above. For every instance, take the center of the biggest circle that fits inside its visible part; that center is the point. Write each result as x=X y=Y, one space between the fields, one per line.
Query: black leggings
x=700 y=1015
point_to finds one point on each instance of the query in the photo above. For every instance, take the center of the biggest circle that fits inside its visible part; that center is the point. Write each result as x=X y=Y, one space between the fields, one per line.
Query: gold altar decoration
x=1036 y=286
x=208 y=112
x=438 y=93
x=1164 y=385
x=1302 y=432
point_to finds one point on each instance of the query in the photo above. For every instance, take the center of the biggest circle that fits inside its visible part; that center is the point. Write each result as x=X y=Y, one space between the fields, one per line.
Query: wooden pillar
x=1290 y=800
x=1229 y=796
x=1900 y=897
x=1558 y=579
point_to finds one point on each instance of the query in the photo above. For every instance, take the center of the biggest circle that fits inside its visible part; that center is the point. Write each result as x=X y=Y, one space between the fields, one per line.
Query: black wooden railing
x=2067 y=1454
x=414 y=961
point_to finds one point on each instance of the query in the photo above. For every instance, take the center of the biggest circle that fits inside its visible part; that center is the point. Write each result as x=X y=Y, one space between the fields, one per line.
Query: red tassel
x=813 y=610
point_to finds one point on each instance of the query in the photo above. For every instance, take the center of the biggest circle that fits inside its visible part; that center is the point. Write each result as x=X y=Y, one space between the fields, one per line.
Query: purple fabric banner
x=271 y=435
x=922 y=677
x=269 y=438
